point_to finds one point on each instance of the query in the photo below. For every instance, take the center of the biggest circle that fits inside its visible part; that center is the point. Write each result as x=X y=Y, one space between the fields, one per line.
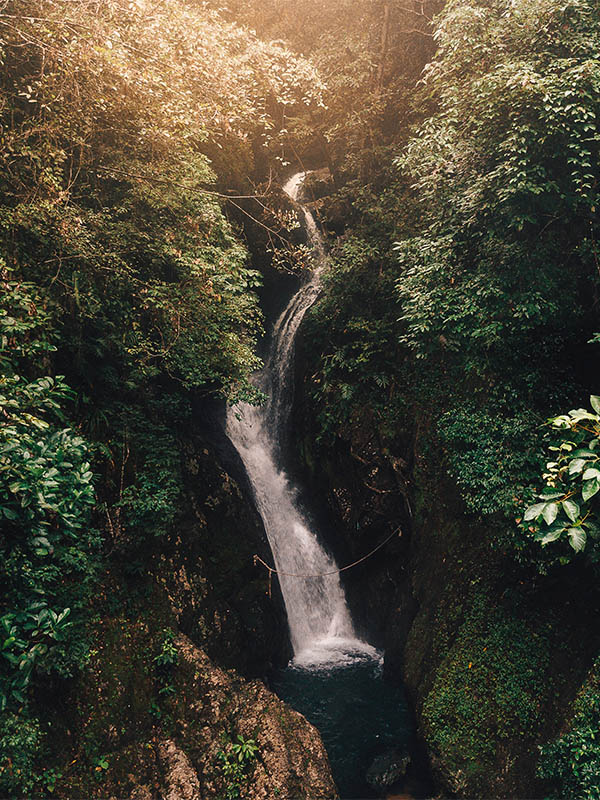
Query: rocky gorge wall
x=492 y=657
x=159 y=711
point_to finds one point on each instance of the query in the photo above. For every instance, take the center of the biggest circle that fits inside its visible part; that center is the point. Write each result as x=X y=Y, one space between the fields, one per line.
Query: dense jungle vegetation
x=140 y=148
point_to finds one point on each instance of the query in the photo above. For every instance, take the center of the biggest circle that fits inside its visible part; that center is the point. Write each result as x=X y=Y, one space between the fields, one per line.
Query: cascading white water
x=320 y=625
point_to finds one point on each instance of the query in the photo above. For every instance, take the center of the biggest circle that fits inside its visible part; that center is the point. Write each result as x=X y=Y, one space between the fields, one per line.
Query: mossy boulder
x=133 y=739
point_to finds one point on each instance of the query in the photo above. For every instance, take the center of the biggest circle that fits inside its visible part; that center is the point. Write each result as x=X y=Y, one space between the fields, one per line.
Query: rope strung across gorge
x=273 y=571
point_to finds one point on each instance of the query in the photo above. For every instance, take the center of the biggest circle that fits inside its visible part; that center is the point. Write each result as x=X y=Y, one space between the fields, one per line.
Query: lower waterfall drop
x=318 y=616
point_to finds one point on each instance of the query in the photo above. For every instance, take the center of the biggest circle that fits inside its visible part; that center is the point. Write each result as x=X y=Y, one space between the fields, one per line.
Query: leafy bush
x=507 y=160
x=357 y=318
x=236 y=762
x=572 y=762
x=20 y=739
x=46 y=495
x=566 y=511
x=486 y=449
x=48 y=551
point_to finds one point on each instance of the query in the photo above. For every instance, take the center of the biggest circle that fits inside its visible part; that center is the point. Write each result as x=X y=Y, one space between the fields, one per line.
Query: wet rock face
x=180 y=778
x=290 y=760
x=187 y=750
x=388 y=768
x=218 y=595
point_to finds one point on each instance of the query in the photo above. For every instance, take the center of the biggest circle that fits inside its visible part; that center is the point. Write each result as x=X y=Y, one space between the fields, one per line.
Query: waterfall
x=318 y=616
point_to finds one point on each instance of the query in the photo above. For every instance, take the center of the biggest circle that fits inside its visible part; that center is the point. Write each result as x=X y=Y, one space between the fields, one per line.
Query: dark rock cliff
x=186 y=753
x=491 y=656
x=159 y=710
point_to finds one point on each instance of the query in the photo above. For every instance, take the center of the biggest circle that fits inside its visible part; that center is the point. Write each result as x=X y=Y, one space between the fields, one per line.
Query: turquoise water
x=357 y=713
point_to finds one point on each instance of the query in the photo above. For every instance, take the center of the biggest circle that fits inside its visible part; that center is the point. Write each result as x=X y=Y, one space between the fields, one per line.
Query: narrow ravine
x=320 y=625
x=335 y=678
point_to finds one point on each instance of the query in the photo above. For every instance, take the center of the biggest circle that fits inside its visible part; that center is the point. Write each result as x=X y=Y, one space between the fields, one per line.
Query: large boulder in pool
x=388 y=768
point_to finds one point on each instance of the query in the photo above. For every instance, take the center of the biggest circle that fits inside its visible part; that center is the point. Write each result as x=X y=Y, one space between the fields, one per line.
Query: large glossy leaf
x=533 y=512
x=590 y=488
x=591 y=473
x=576 y=465
x=550 y=512
x=552 y=535
x=571 y=509
x=577 y=538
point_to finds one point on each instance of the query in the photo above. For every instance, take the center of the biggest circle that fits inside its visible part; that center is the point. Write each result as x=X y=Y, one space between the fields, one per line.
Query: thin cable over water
x=272 y=570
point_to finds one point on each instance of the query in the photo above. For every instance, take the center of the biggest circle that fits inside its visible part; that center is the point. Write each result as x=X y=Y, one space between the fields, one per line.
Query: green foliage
x=48 y=549
x=485 y=692
x=20 y=739
x=572 y=762
x=141 y=290
x=46 y=494
x=244 y=749
x=101 y=764
x=27 y=635
x=506 y=162
x=167 y=655
x=492 y=285
x=164 y=662
x=485 y=449
x=48 y=480
x=368 y=65
x=565 y=511
x=357 y=317
x=149 y=501
x=236 y=764
x=104 y=184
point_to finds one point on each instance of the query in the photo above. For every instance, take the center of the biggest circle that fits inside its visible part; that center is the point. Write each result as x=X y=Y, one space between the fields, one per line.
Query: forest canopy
x=125 y=289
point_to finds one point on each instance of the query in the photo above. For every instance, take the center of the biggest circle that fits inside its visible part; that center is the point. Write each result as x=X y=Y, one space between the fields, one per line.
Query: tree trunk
x=385 y=36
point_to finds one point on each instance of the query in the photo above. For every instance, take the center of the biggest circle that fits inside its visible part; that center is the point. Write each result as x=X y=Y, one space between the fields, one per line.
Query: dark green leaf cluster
x=236 y=763
x=566 y=508
x=46 y=495
x=48 y=549
x=20 y=740
x=358 y=316
x=572 y=762
x=485 y=448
